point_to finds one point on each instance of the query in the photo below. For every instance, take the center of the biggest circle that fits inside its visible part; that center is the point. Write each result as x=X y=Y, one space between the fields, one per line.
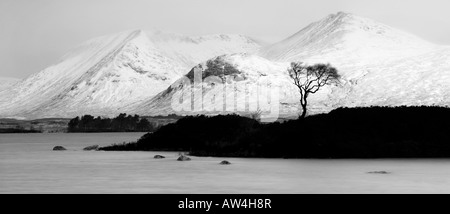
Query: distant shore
x=91 y=125
x=17 y=131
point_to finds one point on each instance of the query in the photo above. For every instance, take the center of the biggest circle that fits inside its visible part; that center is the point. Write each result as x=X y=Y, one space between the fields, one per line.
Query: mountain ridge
x=106 y=72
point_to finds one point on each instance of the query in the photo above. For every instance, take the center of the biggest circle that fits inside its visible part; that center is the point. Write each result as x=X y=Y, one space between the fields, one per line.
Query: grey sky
x=36 y=33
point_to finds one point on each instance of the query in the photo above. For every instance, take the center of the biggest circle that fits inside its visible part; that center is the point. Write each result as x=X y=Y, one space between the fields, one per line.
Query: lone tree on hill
x=310 y=79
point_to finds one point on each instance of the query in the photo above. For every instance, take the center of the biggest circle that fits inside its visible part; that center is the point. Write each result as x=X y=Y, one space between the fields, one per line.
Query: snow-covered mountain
x=104 y=74
x=133 y=72
x=379 y=65
x=6 y=82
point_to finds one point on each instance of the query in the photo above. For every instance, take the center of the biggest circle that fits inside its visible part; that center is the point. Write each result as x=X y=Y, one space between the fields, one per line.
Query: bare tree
x=310 y=79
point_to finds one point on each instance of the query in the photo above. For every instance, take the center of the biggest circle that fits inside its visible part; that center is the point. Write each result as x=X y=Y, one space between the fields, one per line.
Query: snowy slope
x=246 y=69
x=379 y=65
x=106 y=73
x=6 y=82
x=419 y=80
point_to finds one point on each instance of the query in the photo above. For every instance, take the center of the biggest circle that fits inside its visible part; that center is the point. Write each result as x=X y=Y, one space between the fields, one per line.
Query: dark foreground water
x=28 y=165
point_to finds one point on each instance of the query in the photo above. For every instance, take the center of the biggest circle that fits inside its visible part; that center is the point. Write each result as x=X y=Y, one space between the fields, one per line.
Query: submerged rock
x=225 y=162
x=183 y=158
x=92 y=148
x=380 y=172
x=159 y=157
x=59 y=148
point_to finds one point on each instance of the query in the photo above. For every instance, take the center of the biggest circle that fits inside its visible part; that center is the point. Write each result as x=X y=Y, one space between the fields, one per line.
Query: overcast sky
x=36 y=33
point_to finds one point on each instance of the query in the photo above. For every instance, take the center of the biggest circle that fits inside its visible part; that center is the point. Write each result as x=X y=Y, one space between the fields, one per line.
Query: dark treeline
x=121 y=123
x=377 y=132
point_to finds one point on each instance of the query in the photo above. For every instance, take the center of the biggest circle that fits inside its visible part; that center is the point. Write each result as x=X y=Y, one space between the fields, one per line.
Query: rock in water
x=92 y=148
x=59 y=148
x=225 y=163
x=159 y=157
x=183 y=158
x=380 y=172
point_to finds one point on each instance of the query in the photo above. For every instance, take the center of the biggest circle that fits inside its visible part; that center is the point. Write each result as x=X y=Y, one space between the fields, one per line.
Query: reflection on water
x=27 y=165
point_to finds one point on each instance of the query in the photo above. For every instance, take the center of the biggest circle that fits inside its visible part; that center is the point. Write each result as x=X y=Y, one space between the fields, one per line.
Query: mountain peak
x=344 y=20
x=139 y=32
x=342 y=15
x=342 y=34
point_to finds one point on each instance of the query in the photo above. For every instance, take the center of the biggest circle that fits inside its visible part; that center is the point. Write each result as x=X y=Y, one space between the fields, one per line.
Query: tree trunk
x=304 y=104
x=304 y=112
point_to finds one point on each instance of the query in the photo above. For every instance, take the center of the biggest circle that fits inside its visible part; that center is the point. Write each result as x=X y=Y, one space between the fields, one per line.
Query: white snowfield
x=131 y=72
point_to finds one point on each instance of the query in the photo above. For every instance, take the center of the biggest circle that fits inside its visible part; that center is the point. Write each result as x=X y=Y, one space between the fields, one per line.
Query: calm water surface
x=28 y=165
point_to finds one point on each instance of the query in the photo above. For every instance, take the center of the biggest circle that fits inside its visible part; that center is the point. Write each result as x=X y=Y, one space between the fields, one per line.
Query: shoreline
x=356 y=133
